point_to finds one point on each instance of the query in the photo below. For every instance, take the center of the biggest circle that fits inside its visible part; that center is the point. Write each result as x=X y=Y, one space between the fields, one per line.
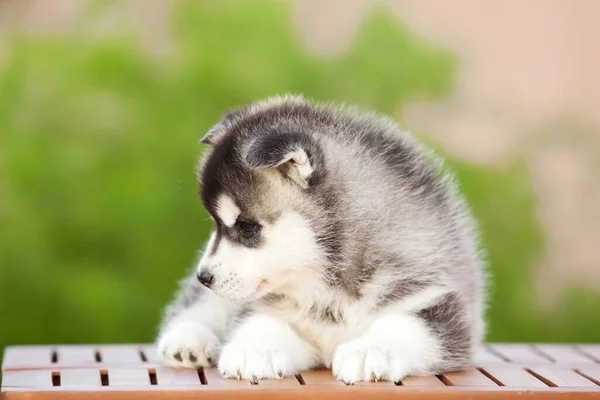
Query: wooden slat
x=80 y=378
x=592 y=351
x=151 y=354
x=561 y=377
x=325 y=377
x=76 y=355
x=470 y=377
x=592 y=373
x=422 y=381
x=514 y=376
x=484 y=356
x=27 y=356
x=214 y=378
x=520 y=354
x=34 y=379
x=287 y=383
x=378 y=383
x=563 y=354
x=119 y=355
x=176 y=377
x=128 y=377
x=320 y=377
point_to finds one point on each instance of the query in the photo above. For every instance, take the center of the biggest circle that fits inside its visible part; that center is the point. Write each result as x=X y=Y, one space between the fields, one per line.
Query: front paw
x=188 y=344
x=256 y=359
x=364 y=360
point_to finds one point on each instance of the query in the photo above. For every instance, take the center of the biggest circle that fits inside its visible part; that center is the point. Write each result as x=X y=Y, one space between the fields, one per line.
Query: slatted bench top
x=134 y=372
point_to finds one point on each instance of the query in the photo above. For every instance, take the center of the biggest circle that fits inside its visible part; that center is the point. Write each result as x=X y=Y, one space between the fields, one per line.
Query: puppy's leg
x=194 y=326
x=429 y=341
x=264 y=347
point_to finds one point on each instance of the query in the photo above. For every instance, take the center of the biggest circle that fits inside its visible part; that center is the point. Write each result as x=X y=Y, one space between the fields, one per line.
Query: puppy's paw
x=365 y=360
x=256 y=359
x=188 y=344
x=264 y=347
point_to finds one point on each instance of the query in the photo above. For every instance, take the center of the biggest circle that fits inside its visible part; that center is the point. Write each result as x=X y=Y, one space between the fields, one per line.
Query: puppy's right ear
x=213 y=133
x=295 y=155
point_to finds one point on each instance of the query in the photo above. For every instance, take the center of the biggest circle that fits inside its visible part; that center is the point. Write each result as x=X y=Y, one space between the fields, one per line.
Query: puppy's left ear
x=292 y=153
x=219 y=128
x=211 y=134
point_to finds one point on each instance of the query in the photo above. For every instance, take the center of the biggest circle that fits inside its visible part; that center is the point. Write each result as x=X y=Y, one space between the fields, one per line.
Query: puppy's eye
x=248 y=229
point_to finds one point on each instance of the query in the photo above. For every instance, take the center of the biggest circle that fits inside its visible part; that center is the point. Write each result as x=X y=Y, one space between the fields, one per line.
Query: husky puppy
x=338 y=242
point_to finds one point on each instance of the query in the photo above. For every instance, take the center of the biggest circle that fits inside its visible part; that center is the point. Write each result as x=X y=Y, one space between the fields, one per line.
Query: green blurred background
x=99 y=213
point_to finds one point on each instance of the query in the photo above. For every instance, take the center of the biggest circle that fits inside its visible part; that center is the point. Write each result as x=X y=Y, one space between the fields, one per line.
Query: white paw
x=188 y=344
x=254 y=360
x=263 y=348
x=365 y=360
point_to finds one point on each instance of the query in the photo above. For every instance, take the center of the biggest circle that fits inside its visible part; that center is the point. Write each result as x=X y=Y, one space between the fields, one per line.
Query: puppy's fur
x=338 y=242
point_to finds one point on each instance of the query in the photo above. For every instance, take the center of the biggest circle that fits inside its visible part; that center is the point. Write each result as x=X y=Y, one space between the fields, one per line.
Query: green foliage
x=99 y=215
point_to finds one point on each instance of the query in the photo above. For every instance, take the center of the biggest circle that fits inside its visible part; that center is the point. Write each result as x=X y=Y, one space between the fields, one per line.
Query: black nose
x=205 y=278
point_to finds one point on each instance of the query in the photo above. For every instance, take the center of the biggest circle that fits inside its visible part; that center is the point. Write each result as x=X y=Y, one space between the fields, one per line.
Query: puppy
x=338 y=242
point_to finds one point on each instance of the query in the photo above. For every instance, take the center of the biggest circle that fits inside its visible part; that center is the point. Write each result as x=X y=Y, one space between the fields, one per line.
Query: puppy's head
x=256 y=182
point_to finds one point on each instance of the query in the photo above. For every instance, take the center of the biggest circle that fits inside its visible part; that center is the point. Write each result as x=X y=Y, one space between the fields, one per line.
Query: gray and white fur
x=338 y=242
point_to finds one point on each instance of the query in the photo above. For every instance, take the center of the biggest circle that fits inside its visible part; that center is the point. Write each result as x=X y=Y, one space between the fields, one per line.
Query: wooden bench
x=133 y=372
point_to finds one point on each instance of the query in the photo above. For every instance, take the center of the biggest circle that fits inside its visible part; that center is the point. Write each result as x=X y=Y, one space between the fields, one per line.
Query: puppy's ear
x=220 y=127
x=293 y=154
x=212 y=132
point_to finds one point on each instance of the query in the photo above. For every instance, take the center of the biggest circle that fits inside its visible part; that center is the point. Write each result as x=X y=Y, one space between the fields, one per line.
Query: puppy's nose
x=205 y=278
